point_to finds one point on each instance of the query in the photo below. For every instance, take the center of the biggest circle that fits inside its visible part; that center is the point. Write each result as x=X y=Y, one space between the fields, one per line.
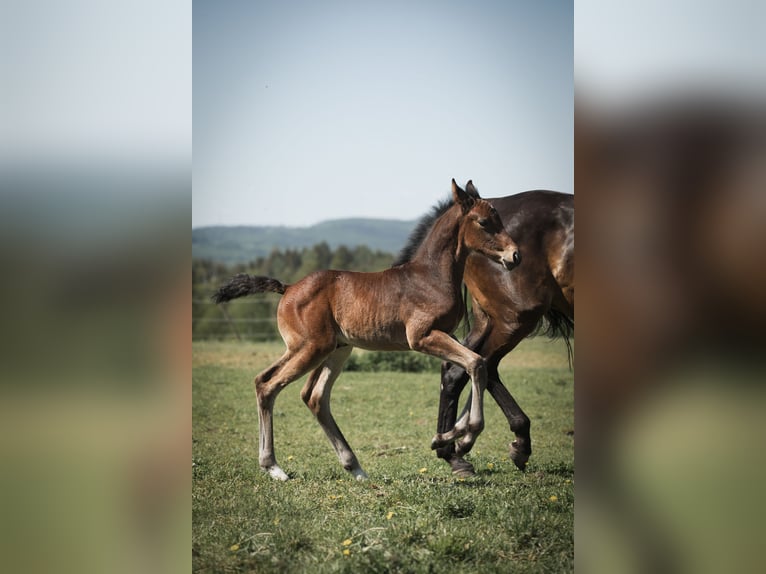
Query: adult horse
x=507 y=307
x=412 y=306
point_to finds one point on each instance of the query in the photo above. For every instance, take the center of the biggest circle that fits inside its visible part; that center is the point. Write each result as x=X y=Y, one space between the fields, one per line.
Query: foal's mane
x=421 y=231
x=416 y=238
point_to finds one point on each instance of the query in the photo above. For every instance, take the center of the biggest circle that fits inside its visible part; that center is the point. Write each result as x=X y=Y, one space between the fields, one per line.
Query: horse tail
x=555 y=325
x=243 y=284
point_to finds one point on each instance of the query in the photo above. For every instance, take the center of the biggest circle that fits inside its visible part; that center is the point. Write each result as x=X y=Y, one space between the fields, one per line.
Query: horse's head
x=481 y=228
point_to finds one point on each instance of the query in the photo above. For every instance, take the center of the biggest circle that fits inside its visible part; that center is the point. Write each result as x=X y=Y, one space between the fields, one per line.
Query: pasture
x=412 y=515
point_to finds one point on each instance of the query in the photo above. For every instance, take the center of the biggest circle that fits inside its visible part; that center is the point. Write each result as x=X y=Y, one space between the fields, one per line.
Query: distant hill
x=241 y=244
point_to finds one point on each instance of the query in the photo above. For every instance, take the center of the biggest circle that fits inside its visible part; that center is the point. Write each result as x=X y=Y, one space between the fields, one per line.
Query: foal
x=412 y=306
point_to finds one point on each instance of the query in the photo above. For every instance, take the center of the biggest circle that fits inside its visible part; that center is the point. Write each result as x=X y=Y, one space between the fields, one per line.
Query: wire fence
x=247 y=320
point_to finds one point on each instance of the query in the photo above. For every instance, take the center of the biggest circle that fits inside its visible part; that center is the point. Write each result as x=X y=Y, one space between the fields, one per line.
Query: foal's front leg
x=471 y=423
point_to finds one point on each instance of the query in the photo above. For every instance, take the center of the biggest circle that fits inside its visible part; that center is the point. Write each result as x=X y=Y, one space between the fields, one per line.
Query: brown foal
x=414 y=306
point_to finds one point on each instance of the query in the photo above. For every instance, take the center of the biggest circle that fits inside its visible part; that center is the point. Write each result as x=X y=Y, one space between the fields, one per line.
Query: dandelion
x=347 y=552
x=234 y=547
x=553 y=498
x=390 y=515
x=346 y=542
x=422 y=470
x=490 y=465
x=291 y=457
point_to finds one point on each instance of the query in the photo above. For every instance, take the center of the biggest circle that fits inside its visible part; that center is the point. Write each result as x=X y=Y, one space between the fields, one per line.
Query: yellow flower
x=346 y=542
x=390 y=515
x=234 y=547
x=553 y=498
x=422 y=470
x=490 y=465
x=290 y=457
x=347 y=552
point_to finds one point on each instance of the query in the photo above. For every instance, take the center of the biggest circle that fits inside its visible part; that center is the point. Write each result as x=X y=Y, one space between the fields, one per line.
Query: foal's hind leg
x=316 y=395
x=268 y=384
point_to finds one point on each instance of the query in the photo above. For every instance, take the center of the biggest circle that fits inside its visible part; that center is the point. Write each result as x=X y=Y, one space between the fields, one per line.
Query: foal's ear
x=471 y=190
x=460 y=197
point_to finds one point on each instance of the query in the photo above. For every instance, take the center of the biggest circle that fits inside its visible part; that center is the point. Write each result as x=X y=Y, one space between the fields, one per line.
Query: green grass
x=411 y=515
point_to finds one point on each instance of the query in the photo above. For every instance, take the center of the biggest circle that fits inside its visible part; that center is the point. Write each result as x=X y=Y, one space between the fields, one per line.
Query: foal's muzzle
x=512 y=261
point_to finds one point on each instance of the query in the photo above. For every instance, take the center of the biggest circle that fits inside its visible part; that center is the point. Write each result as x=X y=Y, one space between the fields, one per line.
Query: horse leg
x=440 y=344
x=494 y=346
x=268 y=384
x=453 y=381
x=521 y=448
x=498 y=347
x=316 y=394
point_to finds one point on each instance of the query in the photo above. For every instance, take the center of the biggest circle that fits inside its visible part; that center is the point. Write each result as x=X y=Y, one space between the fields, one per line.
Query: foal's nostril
x=516 y=257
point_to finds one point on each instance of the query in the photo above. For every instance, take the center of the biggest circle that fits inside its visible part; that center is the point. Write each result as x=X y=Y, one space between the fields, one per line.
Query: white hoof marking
x=277 y=473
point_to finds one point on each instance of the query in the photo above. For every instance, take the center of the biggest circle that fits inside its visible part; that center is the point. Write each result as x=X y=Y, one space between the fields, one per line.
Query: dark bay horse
x=507 y=307
x=415 y=306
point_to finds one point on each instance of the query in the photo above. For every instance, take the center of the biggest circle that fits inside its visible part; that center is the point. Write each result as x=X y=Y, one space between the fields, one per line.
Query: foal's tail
x=243 y=284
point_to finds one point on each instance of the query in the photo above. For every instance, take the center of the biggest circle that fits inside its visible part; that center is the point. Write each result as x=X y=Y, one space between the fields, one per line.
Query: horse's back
x=534 y=213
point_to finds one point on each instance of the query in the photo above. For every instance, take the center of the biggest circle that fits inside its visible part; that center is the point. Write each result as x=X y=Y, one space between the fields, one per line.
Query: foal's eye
x=483 y=221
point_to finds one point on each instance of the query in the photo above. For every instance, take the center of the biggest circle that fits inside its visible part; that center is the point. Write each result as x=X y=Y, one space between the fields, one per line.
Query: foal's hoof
x=359 y=474
x=518 y=456
x=276 y=473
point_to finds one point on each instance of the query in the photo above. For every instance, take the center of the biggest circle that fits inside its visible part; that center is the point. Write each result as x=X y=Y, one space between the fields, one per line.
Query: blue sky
x=307 y=111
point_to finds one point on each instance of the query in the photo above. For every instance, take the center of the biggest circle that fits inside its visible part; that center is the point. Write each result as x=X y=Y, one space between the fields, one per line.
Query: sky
x=309 y=111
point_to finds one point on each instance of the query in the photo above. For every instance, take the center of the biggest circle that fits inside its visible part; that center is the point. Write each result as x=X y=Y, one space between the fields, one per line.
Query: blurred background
x=95 y=203
x=670 y=180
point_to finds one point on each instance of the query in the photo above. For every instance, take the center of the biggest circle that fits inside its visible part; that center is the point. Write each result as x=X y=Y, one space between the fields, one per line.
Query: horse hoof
x=276 y=473
x=359 y=474
x=462 y=468
x=519 y=457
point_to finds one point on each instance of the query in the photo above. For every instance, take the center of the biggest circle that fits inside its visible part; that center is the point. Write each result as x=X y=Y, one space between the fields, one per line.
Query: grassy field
x=411 y=515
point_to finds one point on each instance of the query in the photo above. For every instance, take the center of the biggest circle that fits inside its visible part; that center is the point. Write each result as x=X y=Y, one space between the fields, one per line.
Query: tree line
x=253 y=318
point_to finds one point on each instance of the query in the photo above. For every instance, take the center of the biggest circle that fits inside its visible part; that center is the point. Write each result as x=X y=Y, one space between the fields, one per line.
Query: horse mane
x=416 y=238
x=421 y=231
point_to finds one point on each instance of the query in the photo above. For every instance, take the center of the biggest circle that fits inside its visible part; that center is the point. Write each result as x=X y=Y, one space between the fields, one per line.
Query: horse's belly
x=375 y=337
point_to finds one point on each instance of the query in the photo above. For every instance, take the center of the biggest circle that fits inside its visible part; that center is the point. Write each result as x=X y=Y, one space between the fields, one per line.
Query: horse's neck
x=441 y=249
